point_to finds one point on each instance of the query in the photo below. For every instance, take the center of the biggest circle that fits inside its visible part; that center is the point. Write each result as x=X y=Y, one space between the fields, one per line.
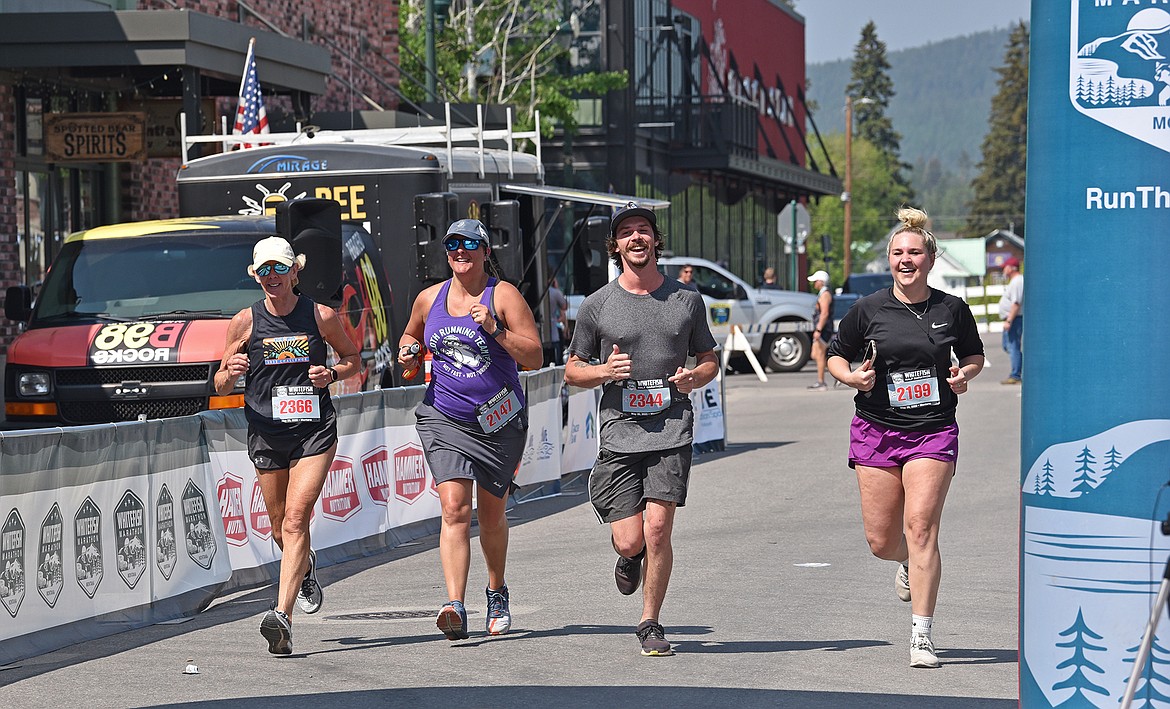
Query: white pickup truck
x=777 y=323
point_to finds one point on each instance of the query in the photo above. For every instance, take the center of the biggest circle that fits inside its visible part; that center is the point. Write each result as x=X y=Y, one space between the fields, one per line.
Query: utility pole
x=429 y=33
x=847 y=198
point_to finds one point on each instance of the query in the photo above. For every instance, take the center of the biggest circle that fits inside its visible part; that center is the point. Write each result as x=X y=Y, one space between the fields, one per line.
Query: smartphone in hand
x=870 y=353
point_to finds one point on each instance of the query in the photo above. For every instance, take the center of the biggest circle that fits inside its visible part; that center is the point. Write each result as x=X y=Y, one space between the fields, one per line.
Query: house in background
x=1002 y=244
x=960 y=263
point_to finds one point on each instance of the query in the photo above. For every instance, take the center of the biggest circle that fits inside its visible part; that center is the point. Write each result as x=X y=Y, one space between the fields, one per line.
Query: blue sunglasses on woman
x=453 y=244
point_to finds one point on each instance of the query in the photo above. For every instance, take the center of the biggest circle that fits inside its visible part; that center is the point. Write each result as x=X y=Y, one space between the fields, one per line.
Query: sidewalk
x=775 y=600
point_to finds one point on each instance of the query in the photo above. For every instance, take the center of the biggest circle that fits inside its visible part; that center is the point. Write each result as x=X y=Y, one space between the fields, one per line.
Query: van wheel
x=787 y=351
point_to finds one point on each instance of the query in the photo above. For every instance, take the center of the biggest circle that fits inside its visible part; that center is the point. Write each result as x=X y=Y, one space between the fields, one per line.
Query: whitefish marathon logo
x=12 y=581
x=87 y=546
x=50 y=572
x=197 y=526
x=1119 y=67
x=130 y=537
x=165 y=550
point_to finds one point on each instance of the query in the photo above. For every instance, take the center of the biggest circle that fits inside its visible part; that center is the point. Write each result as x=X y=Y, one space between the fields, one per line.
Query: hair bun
x=912 y=218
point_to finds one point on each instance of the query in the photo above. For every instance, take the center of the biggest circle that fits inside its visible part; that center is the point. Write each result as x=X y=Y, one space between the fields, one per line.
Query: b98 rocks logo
x=118 y=343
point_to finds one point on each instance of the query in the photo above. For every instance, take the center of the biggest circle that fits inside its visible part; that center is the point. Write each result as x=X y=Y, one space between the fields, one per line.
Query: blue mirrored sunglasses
x=467 y=244
x=267 y=268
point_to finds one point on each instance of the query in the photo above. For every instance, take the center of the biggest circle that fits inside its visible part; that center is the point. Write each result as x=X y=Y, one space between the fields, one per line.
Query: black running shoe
x=653 y=639
x=628 y=572
x=277 y=630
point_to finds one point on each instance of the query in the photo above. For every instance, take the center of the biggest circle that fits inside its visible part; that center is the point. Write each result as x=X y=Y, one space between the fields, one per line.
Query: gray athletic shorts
x=620 y=483
x=458 y=450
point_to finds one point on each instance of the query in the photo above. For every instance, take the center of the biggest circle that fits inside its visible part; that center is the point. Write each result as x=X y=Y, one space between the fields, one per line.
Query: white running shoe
x=922 y=652
x=902 y=582
x=499 y=614
x=310 y=596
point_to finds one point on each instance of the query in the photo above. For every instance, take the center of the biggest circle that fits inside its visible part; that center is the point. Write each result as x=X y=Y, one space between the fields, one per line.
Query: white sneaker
x=310 y=596
x=922 y=652
x=902 y=582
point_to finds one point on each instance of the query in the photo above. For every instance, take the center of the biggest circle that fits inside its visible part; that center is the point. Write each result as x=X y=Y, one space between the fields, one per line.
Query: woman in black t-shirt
x=903 y=441
x=280 y=343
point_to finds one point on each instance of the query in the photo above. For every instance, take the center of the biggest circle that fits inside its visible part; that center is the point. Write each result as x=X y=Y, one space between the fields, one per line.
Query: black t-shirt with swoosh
x=906 y=343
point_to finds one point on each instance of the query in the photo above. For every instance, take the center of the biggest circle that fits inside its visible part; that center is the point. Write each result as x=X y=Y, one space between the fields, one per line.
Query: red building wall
x=756 y=33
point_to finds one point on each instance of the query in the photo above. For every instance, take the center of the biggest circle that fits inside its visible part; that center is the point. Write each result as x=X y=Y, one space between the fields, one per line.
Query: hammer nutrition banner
x=1096 y=408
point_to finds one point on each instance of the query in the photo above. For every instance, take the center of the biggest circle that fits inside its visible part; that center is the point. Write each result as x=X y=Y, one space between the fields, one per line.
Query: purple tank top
x=468 y=368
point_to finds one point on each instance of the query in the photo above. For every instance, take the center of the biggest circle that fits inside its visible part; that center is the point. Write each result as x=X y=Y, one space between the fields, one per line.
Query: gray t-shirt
x=659 y=331
x=1013 y=292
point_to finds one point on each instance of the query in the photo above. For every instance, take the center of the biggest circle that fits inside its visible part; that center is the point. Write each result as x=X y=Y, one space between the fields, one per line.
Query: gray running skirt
x=458 y=450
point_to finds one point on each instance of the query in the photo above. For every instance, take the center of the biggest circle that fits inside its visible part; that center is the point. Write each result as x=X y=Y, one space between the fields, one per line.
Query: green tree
x=870 y=80
x=512 y=52
x=873 y=210
x=998 y=201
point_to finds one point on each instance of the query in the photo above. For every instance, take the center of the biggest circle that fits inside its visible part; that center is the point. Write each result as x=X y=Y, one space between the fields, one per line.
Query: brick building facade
x=41 y=202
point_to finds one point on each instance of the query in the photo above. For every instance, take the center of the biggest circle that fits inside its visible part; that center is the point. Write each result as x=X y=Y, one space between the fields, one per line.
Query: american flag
x=250 y=115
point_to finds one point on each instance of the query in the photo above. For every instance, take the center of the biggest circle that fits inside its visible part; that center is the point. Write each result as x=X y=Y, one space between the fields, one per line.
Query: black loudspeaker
x=502 y=220
x=590 y=257
x=433 y=213
x=313 y=227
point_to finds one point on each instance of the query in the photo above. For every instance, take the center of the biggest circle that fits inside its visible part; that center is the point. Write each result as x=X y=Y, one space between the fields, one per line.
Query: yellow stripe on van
x=133 y=229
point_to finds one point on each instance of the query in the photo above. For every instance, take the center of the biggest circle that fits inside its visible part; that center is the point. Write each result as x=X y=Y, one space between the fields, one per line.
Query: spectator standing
x=823 y=326
x=904 y=440
x=1011 y=312
x=559 y=305
x=769 y=279
x=471 y=422
x=686 y=276
x=633 y=338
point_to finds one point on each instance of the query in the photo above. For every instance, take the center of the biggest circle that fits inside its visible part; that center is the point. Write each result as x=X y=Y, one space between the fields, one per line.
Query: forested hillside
x=941 y=108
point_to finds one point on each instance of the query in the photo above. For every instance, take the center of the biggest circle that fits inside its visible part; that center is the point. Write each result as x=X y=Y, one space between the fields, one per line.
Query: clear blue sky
x=832 y=27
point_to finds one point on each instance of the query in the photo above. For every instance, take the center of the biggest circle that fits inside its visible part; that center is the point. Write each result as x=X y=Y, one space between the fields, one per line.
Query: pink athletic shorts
x=877 y=446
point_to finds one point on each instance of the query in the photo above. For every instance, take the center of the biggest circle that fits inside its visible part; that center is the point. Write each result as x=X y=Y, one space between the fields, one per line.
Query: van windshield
x=144 y=277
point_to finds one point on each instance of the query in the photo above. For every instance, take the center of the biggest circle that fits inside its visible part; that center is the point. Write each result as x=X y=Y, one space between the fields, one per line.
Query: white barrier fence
x=124 y=525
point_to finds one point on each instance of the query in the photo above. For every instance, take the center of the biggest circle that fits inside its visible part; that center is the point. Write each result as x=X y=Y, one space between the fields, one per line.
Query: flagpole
x=247 y=60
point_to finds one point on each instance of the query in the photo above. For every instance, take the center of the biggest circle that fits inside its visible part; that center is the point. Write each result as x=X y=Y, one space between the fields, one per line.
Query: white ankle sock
x=920 y=624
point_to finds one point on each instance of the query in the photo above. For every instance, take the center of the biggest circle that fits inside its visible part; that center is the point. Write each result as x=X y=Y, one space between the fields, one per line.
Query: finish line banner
x=1096 y=412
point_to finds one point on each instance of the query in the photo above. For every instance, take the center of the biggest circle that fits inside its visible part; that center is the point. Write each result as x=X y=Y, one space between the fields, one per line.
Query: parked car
x=856 y=286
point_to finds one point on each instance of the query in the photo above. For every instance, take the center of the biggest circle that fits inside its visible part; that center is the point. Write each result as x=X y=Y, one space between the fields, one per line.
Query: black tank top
x=280 y=351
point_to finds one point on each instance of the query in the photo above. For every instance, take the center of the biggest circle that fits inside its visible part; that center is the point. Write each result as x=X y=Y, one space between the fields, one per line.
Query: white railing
x=445 y=135
x=986 y=314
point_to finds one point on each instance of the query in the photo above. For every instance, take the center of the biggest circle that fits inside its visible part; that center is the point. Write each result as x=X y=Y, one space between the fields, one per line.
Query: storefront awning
x=103 y=47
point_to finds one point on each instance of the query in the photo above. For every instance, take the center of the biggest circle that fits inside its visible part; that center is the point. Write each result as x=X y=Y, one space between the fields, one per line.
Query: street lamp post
x=847 y=197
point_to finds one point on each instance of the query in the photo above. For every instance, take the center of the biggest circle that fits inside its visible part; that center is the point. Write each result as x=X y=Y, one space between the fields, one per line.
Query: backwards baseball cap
x=469 y=229
x=274 y=248
x=819 y=276
x=1011 y=261
x=631 y=209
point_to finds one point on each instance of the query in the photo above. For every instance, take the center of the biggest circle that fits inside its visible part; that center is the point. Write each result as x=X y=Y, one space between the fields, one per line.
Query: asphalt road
x=775 y=600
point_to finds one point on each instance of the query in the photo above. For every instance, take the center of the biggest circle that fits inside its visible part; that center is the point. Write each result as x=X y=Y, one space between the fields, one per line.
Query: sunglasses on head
x=453 y=244
x=267 y=268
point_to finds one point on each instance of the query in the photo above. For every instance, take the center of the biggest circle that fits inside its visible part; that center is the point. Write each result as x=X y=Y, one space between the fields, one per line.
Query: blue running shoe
x=499 y=614
x=452 y=620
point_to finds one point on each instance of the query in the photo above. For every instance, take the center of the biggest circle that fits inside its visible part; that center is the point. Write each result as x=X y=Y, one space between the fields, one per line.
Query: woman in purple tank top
x=472 y=423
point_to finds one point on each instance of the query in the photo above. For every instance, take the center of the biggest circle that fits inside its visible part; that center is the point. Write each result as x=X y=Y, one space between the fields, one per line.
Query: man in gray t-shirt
x=633 y=338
